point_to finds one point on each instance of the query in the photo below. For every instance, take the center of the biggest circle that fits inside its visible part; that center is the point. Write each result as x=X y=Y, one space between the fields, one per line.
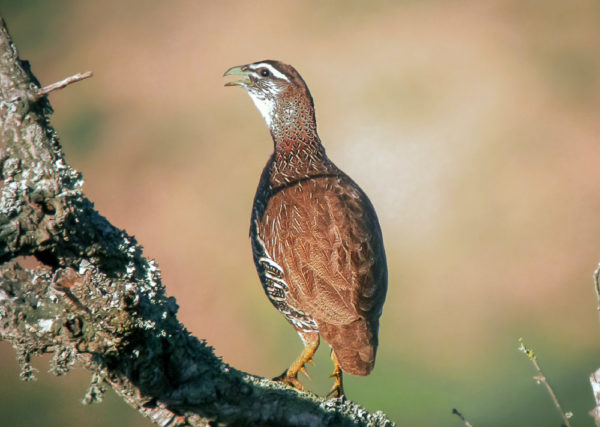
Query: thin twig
x=541 y=378
x=462 y=417
x=63 y=83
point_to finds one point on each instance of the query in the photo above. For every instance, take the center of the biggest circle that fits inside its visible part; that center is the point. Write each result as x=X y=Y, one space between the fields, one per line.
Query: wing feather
x=334 y=260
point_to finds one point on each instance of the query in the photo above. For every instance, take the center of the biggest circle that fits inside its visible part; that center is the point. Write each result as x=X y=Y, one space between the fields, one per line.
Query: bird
x=316 y=240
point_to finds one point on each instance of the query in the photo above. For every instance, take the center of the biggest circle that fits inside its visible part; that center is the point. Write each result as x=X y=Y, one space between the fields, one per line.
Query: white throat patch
x=265 y=105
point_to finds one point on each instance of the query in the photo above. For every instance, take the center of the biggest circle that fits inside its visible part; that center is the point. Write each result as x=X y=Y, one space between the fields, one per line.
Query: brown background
x=473 y=126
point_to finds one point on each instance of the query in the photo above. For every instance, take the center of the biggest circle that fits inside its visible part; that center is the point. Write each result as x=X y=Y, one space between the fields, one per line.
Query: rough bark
x=98 y=302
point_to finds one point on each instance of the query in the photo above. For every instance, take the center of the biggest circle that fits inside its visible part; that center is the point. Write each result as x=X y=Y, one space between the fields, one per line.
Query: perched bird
x=316 y=240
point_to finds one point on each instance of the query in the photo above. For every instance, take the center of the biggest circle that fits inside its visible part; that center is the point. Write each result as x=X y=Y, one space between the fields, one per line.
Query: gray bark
x=96 y=301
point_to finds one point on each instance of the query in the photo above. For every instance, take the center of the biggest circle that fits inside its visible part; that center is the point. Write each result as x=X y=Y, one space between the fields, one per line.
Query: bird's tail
x=354 y=344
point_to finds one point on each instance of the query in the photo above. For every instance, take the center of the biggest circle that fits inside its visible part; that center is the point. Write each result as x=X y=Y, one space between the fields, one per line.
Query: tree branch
x=98 y=302
x=65 y=82
x=541 y=379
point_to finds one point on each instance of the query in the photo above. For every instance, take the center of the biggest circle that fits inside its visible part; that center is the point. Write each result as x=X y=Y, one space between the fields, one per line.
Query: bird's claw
x=337 y=391
x=304 y=371
x=291 y=380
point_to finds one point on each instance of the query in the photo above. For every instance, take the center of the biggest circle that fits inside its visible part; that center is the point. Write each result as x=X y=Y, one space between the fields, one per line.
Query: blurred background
x=473 y=126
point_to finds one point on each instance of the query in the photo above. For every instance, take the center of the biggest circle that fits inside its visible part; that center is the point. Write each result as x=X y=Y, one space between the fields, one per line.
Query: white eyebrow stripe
x=273 y=70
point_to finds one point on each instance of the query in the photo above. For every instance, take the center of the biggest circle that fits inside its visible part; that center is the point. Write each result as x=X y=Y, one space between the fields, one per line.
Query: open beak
x=237 y=71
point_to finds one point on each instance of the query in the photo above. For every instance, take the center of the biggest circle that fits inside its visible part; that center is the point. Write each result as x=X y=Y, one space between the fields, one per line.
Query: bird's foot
x=291 y=380
x=290 y=375
x=337 y=390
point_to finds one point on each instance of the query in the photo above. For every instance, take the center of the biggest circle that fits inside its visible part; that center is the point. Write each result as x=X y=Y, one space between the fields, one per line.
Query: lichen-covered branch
x=98 y=302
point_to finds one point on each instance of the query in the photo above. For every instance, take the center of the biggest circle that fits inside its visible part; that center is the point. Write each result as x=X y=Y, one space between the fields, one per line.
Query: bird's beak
x=237 y=71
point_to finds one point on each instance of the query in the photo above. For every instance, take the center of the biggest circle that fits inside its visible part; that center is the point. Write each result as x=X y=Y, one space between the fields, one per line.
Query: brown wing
x=324 y=234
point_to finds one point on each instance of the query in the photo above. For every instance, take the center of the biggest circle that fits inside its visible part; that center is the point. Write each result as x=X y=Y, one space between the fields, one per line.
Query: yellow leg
x=290 y=375
x=338 y=387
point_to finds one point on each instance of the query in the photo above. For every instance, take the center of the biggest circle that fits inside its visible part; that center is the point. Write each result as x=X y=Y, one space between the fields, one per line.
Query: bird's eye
x=264 y=72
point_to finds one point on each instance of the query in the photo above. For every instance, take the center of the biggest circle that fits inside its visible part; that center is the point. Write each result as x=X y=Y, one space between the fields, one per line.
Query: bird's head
x=276 y=89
